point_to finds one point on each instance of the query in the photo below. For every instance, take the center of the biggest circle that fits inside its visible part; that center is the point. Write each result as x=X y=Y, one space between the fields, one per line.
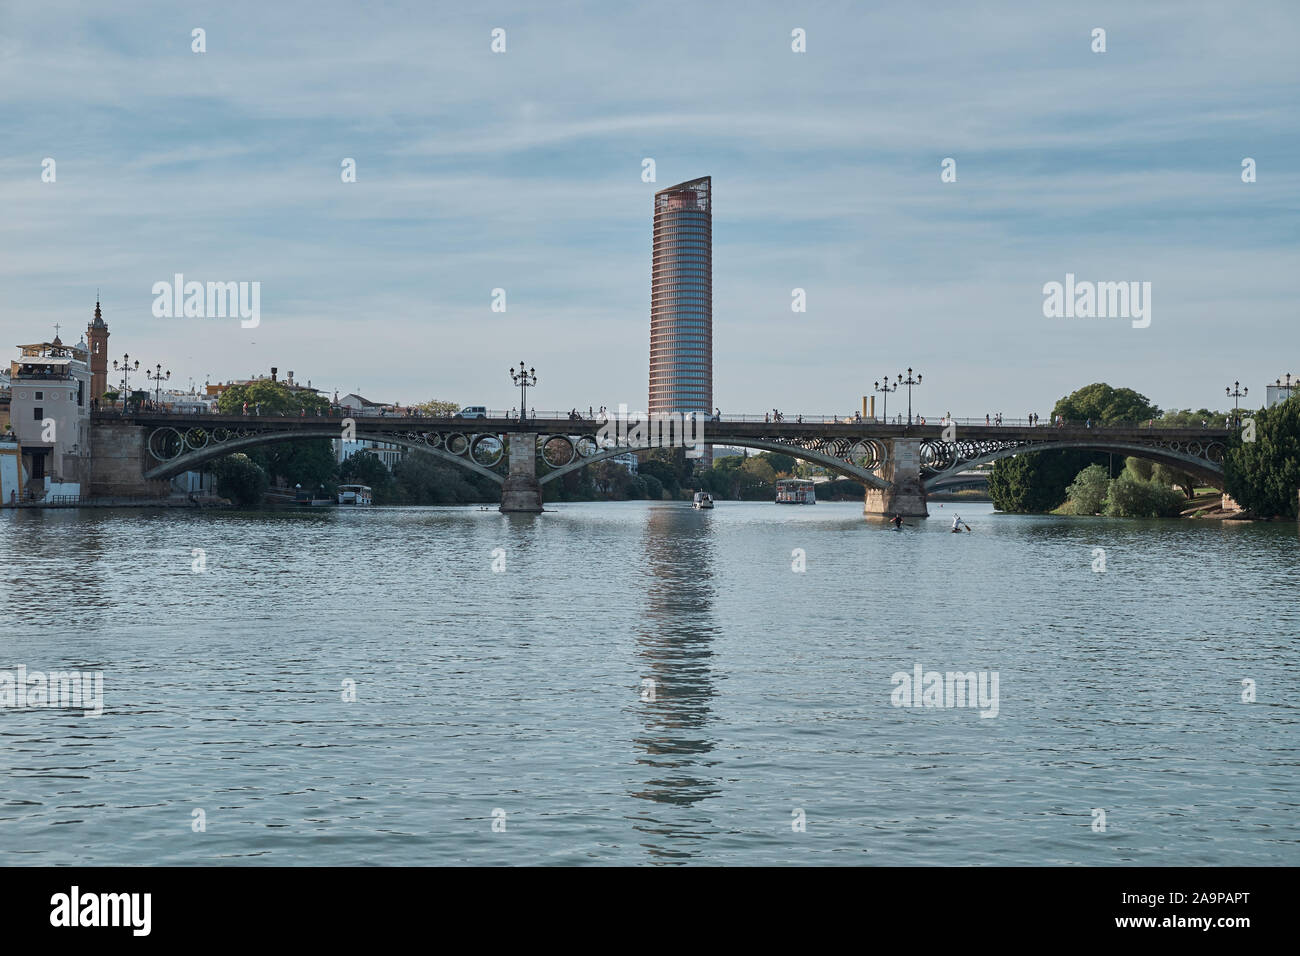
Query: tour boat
x=355 y=495
x=703 y=500
x=795 y=491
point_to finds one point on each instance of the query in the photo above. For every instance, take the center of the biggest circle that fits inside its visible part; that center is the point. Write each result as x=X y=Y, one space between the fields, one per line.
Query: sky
x=522 y=171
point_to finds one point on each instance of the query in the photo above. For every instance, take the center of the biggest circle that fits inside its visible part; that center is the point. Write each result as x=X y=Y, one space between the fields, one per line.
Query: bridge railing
x=787 y=418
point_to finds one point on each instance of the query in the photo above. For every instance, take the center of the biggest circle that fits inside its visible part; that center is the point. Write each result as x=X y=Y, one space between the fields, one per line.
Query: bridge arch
x=1210 y=471
x=194 y=459
x=830 y=462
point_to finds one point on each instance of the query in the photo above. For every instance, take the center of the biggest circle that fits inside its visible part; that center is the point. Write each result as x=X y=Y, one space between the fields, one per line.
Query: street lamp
x=524 y=378
x=909 y=382
x=1235 y=393
x=1287 y=386
x=876 y=386
x=157 y=377
x=126 y=368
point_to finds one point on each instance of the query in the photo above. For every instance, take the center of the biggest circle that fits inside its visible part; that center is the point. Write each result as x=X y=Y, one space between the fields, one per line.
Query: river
x=641 y=683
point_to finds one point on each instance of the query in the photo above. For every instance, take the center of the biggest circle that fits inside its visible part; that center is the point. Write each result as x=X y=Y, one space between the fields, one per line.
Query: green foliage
x=662 y=471
x=308 y=462
x=1036 y=482
x=1087 y=493
x=654 y=489
x=1263 y=475
x=1186 y=418
x=1104 y=405
x=1131 y=497
x=275 y=398
x=438 y=409
x=366 y=469
x=240 y=479
x=1167 y=475
x=421 y=480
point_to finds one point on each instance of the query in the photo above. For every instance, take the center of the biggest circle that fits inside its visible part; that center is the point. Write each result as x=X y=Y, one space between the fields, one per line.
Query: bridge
x=136 y=453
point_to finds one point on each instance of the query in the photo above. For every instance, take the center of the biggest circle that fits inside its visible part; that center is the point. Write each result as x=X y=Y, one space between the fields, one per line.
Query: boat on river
x=795 y=491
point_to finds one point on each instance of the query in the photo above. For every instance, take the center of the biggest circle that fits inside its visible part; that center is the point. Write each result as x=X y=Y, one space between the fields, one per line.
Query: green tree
x=240 y=479
x=1105 y=405
x=1263 y=475
x=438 y=409
x=1131 y=497
x=1087 y=493
x=1036 y=482
x=308 y=462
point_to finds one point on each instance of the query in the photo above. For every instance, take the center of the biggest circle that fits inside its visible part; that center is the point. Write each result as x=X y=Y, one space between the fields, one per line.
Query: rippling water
x=521 y=690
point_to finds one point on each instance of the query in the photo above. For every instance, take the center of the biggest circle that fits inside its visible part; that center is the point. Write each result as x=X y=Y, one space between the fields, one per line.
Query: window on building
x=81 y=393
x=40 y=396
x=37 y=413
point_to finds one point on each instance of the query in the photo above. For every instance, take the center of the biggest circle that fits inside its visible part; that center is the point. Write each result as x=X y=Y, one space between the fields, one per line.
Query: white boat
x=703 y=500
x=354 y=495
x=795 y=491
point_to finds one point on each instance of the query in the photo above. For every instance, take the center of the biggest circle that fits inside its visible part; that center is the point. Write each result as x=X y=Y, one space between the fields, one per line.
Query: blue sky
x=522 y=171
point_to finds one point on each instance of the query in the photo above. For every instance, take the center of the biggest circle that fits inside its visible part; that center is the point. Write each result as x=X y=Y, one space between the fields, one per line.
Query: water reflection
x=675 y=647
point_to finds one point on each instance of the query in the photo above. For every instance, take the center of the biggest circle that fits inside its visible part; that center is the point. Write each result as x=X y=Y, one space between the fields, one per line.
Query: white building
x=1280 y=391
x=50 y=413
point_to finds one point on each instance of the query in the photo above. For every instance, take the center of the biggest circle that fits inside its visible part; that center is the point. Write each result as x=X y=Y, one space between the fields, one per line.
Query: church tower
x=97 y=339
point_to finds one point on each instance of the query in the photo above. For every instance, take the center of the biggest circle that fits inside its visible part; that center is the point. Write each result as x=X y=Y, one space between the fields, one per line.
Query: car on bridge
x=472 y=411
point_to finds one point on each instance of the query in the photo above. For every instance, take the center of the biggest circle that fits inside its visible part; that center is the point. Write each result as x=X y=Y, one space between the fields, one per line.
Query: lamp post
x=126 y=368
x=524 y=378
x=909 y=382
x=1235 y=393
x=157 y=377
x=876 y=386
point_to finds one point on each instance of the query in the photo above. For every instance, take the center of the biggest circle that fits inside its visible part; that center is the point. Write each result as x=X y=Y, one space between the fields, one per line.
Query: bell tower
x=97 y=339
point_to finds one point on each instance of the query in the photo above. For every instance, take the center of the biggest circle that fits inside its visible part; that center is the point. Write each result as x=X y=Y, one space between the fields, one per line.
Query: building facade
x=681 y=300
x=50 y=392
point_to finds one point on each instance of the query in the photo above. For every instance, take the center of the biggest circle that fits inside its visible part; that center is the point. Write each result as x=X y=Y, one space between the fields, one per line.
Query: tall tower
x=97 y=339
x=681 y=300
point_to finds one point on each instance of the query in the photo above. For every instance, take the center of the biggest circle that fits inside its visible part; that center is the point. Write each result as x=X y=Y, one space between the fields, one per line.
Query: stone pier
x=118 y=462
x=521 y=491
x=906 y=494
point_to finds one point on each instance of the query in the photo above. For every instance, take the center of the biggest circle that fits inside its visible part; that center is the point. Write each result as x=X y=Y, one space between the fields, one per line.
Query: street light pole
x=886 y=389
x=157 y=377
x=524 y=378
x=909 y=382
x=126 y=369
x=1235 y=393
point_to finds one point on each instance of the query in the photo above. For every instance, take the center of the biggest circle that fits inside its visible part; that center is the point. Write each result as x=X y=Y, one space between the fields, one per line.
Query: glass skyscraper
x=681 y=300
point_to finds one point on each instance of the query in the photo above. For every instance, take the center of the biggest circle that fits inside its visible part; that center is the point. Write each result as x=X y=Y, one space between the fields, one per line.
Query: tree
x=240 y=479
x=364 y=468
x=1036 y=482
x=1105 y=405
x=434 y=408
x=307 y=462
x=1131 y=497
x=1262 y=476
x=1087 y=492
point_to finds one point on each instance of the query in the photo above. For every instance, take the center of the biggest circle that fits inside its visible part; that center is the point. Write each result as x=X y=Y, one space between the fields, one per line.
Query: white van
x=472 y=411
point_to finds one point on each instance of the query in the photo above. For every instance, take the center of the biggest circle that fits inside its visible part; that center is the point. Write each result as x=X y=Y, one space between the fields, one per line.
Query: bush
x=1088 y=490
x=1131 y=497
x=240 y=479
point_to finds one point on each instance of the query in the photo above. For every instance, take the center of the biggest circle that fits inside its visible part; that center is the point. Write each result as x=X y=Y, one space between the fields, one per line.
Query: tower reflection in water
x=675 y=648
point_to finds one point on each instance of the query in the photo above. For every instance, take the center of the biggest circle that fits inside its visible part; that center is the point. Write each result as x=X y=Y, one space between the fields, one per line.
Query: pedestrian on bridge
x=986 y=419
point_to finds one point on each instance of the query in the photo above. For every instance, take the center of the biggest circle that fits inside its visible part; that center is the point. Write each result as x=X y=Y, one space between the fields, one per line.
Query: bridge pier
x=521 y=492
x=906 y=493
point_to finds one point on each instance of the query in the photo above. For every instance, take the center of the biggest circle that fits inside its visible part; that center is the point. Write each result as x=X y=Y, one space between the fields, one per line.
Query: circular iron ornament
x=166 y=443
x=558 y=451
x=1214 y=452
x=487 y=450
x=196 y=439
x=432 y=439
x=587 y=446
x=221 y=434
x=456 y=444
